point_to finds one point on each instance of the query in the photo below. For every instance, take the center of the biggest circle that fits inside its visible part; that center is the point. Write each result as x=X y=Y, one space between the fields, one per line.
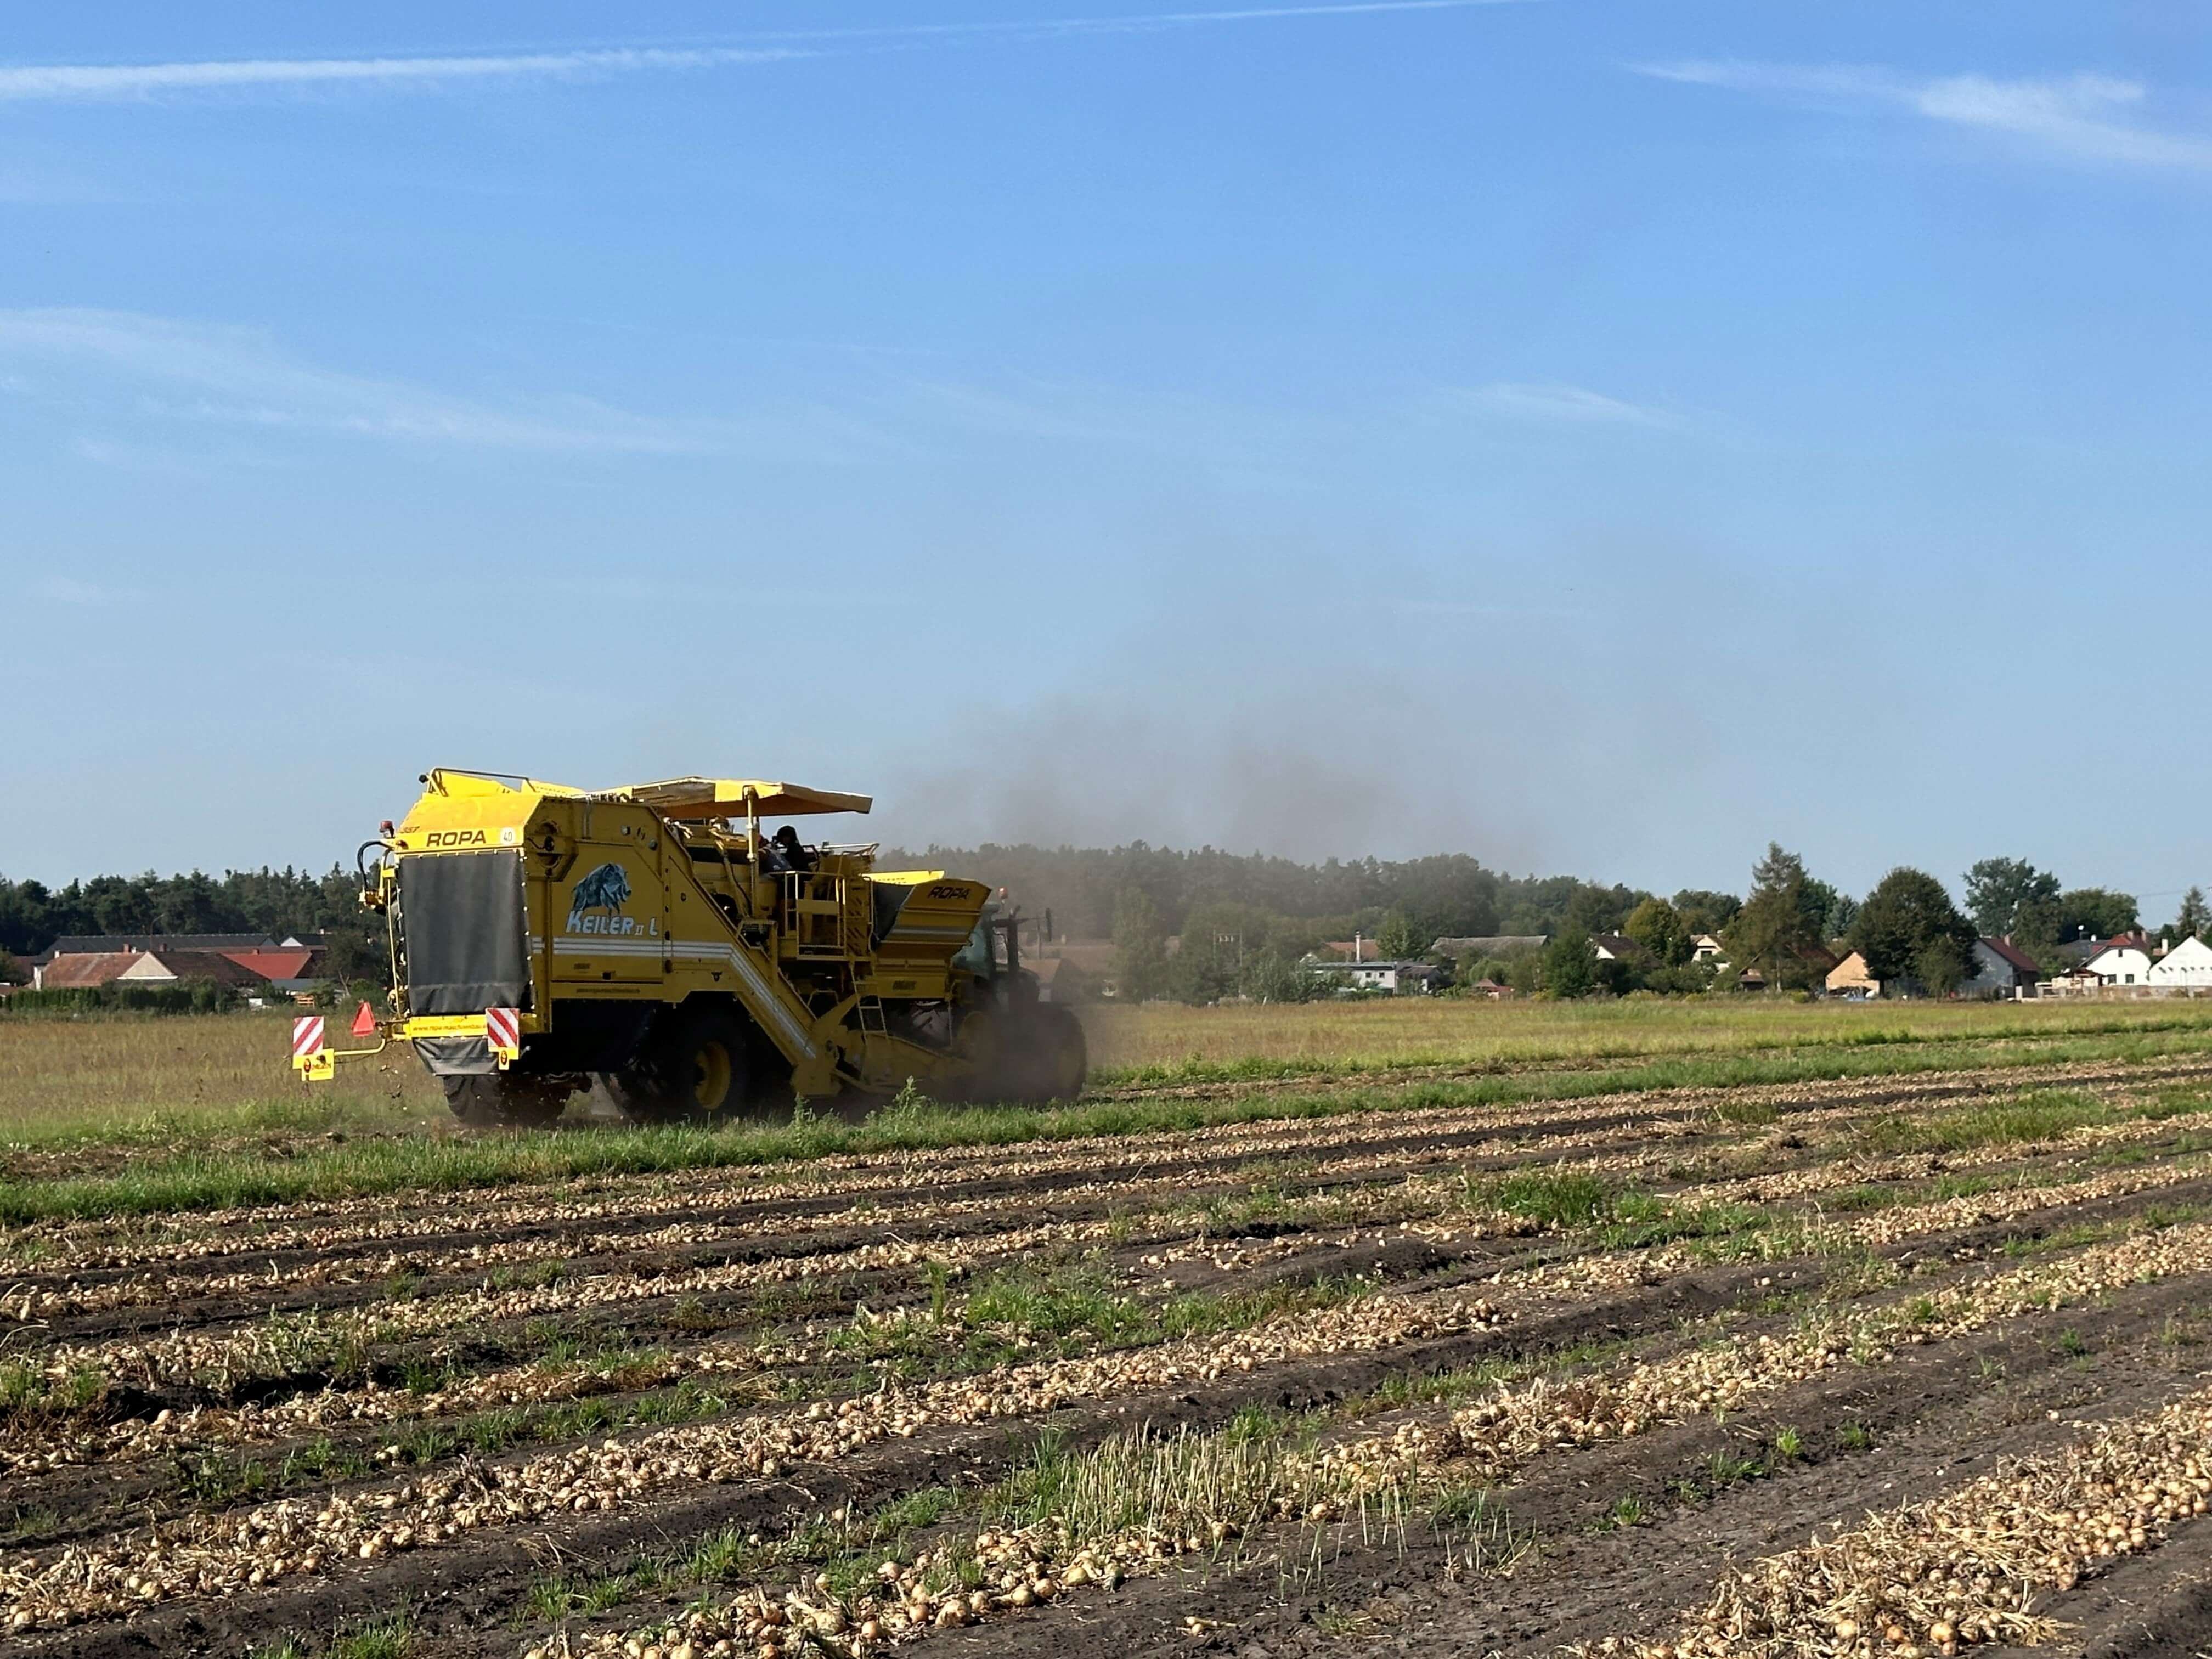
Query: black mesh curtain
x=462 y=916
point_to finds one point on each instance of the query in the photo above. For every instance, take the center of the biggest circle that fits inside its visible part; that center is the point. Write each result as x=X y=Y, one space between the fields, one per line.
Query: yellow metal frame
x=322 y=1065
x=666 y=924
x=441 y=1025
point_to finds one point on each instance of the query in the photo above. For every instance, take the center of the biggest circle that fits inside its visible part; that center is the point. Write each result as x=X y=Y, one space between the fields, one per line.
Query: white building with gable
x=2189 y=963
x=2120 y=961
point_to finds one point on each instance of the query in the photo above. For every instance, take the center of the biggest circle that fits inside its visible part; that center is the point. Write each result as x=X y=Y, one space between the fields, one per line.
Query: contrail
x=63 y=82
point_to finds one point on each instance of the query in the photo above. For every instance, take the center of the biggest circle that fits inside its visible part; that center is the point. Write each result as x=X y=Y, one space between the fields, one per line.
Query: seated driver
x=786 y=848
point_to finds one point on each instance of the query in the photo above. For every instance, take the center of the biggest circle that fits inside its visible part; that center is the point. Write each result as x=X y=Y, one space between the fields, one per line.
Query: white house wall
x=2189 y=963
x=2123 y=966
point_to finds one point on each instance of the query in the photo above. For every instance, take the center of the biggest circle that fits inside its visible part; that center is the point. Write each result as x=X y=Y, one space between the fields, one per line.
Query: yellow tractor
x=653 y=941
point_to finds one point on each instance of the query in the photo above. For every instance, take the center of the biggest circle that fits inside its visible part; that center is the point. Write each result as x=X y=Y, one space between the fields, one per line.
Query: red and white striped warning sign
x=306 y=1036
x=503 y=1029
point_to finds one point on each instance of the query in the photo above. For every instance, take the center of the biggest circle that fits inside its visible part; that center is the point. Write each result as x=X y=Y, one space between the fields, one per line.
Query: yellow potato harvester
x=651 y=940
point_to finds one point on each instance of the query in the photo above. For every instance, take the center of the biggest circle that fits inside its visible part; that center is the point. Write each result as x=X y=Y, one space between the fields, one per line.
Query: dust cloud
x=1096 y=772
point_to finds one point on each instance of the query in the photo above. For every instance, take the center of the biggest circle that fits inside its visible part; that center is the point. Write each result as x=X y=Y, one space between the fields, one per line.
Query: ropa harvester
x=650 y=940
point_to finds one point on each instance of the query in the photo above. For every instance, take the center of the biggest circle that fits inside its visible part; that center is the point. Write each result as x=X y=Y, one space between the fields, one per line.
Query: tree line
x=1199 y=926
x=1790 y=926
x=1242 y=923
x=272 y=902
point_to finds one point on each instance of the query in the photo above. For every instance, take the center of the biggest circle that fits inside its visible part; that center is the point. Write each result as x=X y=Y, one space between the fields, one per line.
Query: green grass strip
x=1639 y=1042
x=190 y=1181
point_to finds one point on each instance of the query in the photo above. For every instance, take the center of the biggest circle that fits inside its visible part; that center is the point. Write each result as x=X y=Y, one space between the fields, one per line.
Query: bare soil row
x=1437 y=1372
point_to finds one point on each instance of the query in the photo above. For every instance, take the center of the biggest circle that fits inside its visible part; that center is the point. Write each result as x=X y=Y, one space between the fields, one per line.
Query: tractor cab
x=992 y=953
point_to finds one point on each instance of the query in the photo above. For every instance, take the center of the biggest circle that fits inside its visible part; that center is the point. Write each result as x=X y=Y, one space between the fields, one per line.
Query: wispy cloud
x=91 y=81
x=2085 y=116
x=238 y=377
x=1558 y=405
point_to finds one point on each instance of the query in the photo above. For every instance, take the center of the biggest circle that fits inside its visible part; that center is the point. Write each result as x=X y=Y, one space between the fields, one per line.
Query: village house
x=1059 y=979
x=82 y=970
x=248 y=962
x=2187 y=964
x=1706 y=948
x=1849 y=978
x=1618 y=947
x=1091 y=966
x=1397 y=978
x=169 y=967
x=2002 y=970
x=2123 y=959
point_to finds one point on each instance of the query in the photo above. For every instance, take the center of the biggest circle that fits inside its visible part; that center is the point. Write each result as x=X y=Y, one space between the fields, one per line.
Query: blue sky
x=1596 y=437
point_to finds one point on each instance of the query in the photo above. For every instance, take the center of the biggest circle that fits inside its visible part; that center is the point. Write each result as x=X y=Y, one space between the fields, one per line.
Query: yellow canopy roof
x=725 y=797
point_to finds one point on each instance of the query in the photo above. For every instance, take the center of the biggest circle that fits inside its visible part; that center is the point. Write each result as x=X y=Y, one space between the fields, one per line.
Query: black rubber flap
x=456 y=1056
x=462 y=916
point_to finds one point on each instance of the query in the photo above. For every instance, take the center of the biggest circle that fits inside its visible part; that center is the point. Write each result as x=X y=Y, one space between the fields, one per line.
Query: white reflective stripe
x=591 y=945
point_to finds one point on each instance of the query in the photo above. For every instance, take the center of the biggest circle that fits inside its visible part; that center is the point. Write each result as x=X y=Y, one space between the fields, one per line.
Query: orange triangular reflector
x=364 y=1021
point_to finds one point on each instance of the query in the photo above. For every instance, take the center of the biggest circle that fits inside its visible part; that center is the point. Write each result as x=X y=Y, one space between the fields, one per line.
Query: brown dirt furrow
x=2154 y=1606
x=1820 y=1330
x=73 y=1312
x=1644 y=1441
x=352 y=1414
x=1931 y=1413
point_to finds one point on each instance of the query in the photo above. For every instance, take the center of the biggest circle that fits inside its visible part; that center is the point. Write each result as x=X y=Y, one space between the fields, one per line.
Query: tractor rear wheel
x=498 y=1100
x=1060 y=1059
x=700 y=1070
x=1033 y=1053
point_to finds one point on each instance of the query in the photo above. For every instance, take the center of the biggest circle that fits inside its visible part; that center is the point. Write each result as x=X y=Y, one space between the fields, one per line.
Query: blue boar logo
x=604 y=890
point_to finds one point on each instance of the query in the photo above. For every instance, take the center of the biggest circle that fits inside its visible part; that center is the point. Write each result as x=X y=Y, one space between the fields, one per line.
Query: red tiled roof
x=85 y=969
x=2013 y=954
x=274 y=964
x=207 y=964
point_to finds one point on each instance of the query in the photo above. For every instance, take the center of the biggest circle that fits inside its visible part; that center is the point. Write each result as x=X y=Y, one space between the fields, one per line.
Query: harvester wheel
x=499 y=1101
x=701 y=1069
